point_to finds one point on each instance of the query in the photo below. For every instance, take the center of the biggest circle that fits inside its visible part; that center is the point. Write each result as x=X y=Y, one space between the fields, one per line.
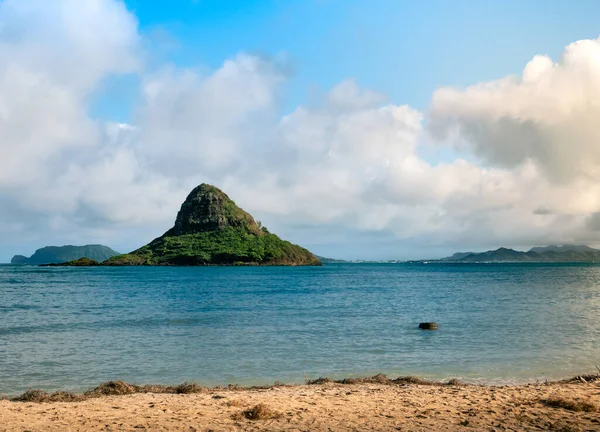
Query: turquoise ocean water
x=72 y=328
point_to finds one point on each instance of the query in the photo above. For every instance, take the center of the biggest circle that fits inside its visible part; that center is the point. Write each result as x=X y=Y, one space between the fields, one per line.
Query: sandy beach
x=328 y=406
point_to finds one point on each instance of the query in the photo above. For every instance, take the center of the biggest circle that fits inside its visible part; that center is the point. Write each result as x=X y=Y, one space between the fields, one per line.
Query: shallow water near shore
x=72 y=328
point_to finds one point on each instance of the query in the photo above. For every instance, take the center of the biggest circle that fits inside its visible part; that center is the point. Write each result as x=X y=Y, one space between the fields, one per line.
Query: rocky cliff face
x=210 y=229
x=208 y=209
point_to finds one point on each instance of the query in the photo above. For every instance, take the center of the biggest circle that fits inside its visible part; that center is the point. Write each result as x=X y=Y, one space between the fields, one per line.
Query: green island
x=81 y=262
x=210 y=229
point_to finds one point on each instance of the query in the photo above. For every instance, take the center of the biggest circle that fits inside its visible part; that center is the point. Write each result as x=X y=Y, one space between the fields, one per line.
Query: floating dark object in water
x=428 y=326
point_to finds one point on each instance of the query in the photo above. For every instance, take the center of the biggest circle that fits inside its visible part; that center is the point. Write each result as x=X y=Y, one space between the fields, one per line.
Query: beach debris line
x=384 y=380
x=122 y=388
x=109 y=388
x=429 y=326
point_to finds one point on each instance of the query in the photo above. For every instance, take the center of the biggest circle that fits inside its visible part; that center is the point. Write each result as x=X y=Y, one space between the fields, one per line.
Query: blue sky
x=404 y=49
x=372 y=129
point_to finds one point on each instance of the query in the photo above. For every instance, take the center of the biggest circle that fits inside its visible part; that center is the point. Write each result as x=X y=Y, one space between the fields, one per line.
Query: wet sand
x=324 y=407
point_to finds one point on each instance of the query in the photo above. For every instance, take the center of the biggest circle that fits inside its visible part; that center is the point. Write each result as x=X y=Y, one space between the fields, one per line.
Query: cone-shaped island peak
x=207 y=208
x=210 y=229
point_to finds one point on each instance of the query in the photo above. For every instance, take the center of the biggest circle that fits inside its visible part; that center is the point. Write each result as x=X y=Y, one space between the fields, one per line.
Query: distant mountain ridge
x=553 y=253
x=60 y=254
x=563 y=248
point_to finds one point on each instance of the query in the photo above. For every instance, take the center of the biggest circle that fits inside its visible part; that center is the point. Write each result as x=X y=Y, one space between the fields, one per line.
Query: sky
x=358 y=129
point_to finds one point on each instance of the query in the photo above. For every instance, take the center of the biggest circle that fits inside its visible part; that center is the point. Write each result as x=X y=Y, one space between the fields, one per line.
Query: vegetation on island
x=81 y=262
x=211 y=229
x=225 y=246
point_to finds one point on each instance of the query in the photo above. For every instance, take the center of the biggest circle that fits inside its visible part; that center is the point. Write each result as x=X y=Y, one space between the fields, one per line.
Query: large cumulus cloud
x=545 y=119
x=57 y=162
x=547 y=115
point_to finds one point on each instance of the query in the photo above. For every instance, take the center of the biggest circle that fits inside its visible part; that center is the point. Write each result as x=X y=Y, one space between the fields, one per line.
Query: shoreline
x=120 y=387
x=374 y=403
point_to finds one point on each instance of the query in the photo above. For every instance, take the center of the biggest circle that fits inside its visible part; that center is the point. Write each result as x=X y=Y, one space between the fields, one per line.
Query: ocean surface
x=73 y=328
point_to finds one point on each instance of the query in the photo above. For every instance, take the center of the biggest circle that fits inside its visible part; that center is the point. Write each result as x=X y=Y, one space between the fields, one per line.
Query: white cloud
x=52 y=55
x=544 y=123
x=57 y=162
x=71 y=43
x=198 y=125
x=548 y=115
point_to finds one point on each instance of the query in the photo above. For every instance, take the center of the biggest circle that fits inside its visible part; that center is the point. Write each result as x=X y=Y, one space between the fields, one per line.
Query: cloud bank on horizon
x=346 y=170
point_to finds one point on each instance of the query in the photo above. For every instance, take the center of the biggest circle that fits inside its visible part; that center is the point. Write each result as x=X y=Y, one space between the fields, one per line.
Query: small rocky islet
x=210 y=229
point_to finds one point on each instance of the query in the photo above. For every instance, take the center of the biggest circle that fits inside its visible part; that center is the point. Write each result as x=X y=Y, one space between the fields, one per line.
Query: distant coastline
x=53 y=256
x=541 y=254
